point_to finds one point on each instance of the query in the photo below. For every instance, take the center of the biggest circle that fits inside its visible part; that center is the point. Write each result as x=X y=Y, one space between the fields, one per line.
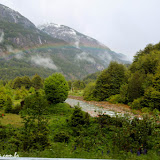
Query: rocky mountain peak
x=9 y=15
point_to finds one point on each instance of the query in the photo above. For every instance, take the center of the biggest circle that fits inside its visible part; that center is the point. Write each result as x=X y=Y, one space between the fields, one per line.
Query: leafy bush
x=56 y=88
x=152 y=98
x=137 y=103
x=115 y=99
x=62 y=136
x=124 y=93
x=8 y=105
x=21 y=93
x=145 y=110
x=31 y=90
x=35 y=131
x=89 y=91
x=16 y=109
x=2 y=100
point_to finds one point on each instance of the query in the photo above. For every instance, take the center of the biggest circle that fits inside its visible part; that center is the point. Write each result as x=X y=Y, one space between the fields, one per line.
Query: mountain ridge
x=26 y=50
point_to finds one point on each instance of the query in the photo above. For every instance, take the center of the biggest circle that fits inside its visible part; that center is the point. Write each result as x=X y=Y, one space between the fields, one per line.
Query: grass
x=76 y=93
x=12 y=119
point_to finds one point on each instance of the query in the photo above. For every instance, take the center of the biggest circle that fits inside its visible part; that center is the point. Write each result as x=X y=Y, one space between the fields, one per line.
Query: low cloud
x=1 y=36
x=85 y=56
x=19 y=55
x=44 y=62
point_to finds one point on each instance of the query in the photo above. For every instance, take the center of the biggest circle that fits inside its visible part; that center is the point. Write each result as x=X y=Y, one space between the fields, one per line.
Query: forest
x=35 y=121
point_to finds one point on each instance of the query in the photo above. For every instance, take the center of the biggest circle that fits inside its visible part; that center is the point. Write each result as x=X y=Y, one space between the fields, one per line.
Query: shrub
x=2 y=100
x=16 y=109
x=62 y=136
x=115 y=99
x=32 y=90
x=124 y=93
x=56 y=88
x=145 y=110
x=8 y=105
x=137 y=103
x=89 y=91
x=152 y=98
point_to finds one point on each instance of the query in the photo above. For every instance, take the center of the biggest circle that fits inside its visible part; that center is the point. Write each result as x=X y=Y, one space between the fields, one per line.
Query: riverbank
x=103 y=107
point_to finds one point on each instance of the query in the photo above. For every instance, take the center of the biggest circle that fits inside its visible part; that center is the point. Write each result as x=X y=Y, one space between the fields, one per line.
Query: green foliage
x=77 y=118
x=8 y=105
x=26 y=82
x=91 y=77
x=35 y=133
x=77 y=85
x=89 y=91
x=18 y=82
x=151 y=99
x=115 y=99
x=70 y=85
x=2 y=100
x=31 y=90
x=124 y=93
x=61 y=137
x=16 y=109
x=37 y=82
x=56 y=88
x=137 y=103
x=109 y=81
x=135 y=88
x=20 y=93
x=146 y=110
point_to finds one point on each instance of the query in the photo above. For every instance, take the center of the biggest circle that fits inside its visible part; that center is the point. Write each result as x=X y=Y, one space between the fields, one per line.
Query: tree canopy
x=56 y=88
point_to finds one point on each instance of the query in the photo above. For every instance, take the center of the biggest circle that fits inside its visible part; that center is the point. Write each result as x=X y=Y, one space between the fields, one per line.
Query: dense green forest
x=36 y=122
x=137 y=85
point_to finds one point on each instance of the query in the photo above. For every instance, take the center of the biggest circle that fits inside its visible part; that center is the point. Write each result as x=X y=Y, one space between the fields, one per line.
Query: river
x=91 y=109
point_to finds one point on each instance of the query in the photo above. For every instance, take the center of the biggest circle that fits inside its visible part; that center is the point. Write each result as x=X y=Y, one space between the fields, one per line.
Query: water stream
x=93 y=110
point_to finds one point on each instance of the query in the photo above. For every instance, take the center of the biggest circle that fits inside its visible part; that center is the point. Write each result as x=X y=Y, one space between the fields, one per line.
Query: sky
x=125 y=26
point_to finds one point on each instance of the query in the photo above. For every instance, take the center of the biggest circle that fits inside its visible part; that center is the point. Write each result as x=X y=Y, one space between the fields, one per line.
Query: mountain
x=85 y=43
x=26 y=50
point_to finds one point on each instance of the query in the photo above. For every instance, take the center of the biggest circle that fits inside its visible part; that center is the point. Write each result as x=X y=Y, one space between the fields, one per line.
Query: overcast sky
x=125 y=26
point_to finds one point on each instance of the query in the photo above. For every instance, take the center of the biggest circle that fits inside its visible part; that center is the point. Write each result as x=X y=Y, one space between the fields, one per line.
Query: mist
x=1 y=36
x=44 y=62
x=85 y=56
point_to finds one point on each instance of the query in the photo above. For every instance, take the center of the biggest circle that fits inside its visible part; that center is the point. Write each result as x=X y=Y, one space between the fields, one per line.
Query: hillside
x=26 y=50
x=88 y=45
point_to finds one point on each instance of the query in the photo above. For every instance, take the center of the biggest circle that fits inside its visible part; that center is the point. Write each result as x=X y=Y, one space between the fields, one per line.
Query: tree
x=17 y=83
x=37 y=82
x=56 y=88
x=109 y=81
x=135 y=88
x=35 y=133
x=26 y=82
x=8 y=105
x=89 y=91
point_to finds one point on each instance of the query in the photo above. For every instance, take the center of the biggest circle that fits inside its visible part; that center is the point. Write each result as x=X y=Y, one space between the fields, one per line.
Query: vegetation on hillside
x=137 y=85
x=42 y=125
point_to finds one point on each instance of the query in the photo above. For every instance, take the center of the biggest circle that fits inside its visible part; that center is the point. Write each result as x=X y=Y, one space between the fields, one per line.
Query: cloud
x=85 y=56
x=1 y=37
x=19 y=55
x=44 y=62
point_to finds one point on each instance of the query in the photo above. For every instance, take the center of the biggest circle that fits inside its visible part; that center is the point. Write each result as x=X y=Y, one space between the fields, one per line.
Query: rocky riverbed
x=96 y=108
